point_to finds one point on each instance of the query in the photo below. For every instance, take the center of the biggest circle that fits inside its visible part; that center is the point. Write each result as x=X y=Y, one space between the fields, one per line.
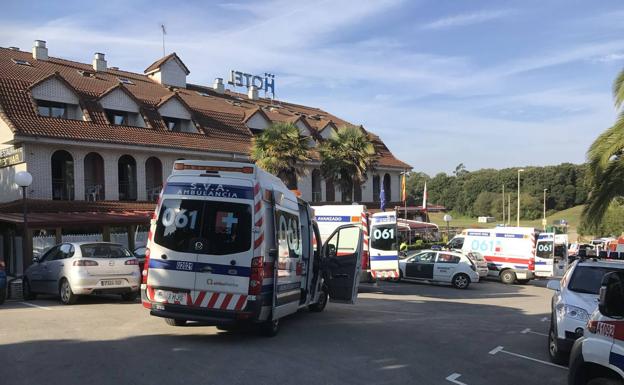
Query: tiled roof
x=220 y=118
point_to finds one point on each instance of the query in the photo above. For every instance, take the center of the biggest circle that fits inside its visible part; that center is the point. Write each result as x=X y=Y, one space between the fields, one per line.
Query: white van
x=229 y=243
x=510 y=251
x=380 y=259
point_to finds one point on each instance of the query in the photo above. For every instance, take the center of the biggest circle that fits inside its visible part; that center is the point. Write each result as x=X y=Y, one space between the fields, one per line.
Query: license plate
x=521 y=275
x=170 y=296
x=111 y=282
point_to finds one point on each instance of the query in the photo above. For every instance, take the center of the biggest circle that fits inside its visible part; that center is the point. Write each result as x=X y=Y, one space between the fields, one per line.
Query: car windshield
x=204 y=227
x=104 y=250
x=587 y=279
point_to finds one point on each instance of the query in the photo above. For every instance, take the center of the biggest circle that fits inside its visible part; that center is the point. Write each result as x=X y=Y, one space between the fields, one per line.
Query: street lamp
x=23 y=179
x=518 y=216
x=544 y=220
x=447 y=218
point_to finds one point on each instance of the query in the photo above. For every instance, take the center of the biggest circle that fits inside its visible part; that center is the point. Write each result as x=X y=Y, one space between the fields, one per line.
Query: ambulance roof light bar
x=178 y=166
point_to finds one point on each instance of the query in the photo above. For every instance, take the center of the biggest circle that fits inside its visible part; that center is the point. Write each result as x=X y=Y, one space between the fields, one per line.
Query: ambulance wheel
x=320 y=305
x=508 y=277
x=461 y=281
x=270 y=328
x=175 y=322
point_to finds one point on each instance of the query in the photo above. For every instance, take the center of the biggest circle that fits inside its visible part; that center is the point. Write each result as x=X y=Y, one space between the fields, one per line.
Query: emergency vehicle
x=230 y=244
x=597 y=358
x=509 y=251
x=380 y=259
x=551 y=255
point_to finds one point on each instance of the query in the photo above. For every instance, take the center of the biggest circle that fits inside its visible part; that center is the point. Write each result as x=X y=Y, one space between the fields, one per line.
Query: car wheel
x=554 y=353
x=3 y=294
x=320 y=305
x=175 y=322
x=523 y=281
x=270 y=328
x=604 y=381
x=130 y=297
x=65 y=292
x=27 y=292
x=461 y=281
x=508 y=277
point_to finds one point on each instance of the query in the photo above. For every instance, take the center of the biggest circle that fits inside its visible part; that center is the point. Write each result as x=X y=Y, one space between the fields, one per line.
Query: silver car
x=82 y=268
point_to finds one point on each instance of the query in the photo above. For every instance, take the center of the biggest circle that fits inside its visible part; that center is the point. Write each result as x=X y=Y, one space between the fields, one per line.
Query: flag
x=403 y=192
x=382 y=198
x=424 y=205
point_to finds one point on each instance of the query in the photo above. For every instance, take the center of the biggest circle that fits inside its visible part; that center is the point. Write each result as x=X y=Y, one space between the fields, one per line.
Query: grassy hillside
x=572 y=215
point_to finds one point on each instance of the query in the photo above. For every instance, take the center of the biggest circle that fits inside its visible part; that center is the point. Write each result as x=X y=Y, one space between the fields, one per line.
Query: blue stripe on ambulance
x=333 y=218
x=616 y=360
x=384 y=257
x=199 y=267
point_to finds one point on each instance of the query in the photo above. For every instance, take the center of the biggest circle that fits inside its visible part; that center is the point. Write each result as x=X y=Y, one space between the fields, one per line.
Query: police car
x=575 y=298
x=440 y=266
x=598 y=357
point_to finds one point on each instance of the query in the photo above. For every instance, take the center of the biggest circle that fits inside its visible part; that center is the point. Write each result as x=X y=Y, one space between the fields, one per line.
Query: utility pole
x=518 y=216
x=503 y=204
x=509 y=208
x=544 y=220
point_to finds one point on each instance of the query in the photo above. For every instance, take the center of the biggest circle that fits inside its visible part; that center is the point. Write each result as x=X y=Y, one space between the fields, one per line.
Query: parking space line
x=501 y=350
x=453 y=378
x=37 y=306
x=528 y=330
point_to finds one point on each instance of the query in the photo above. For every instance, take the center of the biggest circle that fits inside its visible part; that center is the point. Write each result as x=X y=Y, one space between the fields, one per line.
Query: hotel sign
x=241 y=79
x=11 y=156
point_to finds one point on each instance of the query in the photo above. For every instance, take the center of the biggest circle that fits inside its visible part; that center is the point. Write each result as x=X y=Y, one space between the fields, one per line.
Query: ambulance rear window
x=204 y=227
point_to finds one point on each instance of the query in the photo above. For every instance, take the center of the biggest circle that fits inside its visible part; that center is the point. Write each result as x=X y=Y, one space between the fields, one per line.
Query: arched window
x=387 y=183
x=357 y=192
x=316 y=185
x=330 y=191
x=62 y=176
x=94 y=177
x=126 y=168
x=376 y=188
x=153 y=178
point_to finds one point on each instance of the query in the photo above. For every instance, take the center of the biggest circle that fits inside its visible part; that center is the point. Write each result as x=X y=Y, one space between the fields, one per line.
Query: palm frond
x=618 y=89
x=610 y=186
x=609 y=144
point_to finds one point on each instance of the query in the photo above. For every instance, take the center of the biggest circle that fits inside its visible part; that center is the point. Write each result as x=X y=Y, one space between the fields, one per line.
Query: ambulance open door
x=342 y=255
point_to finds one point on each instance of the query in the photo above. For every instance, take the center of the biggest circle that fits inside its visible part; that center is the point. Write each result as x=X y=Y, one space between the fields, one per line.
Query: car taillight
x=257 y=275
x=133 y=261
x=85 y=262
x=592 y=326
x=532 y=264
x=146 y=265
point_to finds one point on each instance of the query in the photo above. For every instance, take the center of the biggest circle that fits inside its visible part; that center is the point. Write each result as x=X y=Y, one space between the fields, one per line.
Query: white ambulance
x=509 y=251
x=551 y=254
x=597 y=358
x=230 y=244
x=380 y=259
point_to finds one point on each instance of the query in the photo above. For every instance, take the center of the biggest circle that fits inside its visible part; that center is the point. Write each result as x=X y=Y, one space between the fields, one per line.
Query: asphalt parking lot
x=397 y=333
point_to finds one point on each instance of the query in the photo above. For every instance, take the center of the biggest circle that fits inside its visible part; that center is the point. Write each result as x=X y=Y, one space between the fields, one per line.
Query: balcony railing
x=94 y=192
x=127 y=191
x=62 y=190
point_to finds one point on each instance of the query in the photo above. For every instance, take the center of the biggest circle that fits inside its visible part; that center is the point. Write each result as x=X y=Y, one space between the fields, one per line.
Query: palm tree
x=606 y=163
x=346 y=157
x=280 y=150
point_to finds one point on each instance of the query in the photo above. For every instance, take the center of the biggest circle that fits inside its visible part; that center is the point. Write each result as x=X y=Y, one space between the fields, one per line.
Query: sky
x=490 y=84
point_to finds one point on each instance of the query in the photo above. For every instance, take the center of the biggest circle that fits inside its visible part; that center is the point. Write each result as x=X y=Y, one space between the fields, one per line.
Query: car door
x=422 y=268
x=55 y=266
x=342 y=254
x=38 y=272
x=411 y=266
x=445 y=266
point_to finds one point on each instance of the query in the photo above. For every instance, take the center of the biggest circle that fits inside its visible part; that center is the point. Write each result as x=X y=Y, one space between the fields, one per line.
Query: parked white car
x=575 y=298
x=439 y=266
x=82 y=268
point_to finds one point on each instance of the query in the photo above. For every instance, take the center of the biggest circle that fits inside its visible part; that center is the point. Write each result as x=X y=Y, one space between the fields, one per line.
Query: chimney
x=39 y=51
x=252 y=93
x=218 y=85
x=99 y=63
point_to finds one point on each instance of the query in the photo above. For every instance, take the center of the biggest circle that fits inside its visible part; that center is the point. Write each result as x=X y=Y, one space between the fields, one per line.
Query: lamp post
x=518 y=216
x=544 y=219
x=447 y=218
x=23 y=179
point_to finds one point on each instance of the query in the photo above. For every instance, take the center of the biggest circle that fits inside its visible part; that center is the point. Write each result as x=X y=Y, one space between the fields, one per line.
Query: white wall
x=55 y=91
x=257 y=122
x=174 y=109
x=119 y=100
x=170 y=74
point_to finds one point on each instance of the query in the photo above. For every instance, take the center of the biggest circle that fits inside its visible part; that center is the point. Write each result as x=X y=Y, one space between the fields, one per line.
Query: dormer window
x=176 y=114
x=52 y=109
x=173 y=124
x=118 y=118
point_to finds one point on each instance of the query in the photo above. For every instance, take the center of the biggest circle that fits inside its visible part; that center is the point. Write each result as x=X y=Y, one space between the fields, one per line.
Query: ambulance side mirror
x=612 y=295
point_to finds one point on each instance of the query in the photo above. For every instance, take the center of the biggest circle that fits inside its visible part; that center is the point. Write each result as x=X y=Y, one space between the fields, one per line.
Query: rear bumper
x=86 y=284
x=524 y=274
x=206 y=316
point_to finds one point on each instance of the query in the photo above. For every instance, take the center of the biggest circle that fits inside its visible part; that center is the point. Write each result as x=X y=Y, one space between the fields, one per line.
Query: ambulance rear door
x=342 y=254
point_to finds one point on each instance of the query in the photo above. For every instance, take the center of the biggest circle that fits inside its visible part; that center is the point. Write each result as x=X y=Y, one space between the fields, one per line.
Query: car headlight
x=573 y=312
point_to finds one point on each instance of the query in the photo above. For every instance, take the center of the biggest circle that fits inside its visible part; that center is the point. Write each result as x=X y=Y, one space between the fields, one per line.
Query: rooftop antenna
x=164 y=32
